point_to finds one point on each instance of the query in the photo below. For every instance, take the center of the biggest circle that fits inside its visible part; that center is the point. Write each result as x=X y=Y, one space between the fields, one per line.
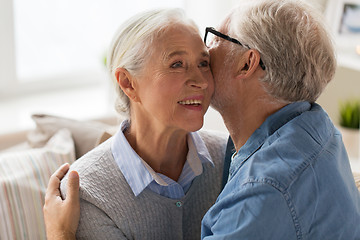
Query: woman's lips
x=192 y=103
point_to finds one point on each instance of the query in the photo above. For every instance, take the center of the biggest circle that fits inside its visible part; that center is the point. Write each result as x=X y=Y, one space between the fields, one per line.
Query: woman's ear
x=249 y=63
x=126 y=83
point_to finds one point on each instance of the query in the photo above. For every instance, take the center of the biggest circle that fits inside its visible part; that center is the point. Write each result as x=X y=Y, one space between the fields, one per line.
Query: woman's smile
x=192 y=103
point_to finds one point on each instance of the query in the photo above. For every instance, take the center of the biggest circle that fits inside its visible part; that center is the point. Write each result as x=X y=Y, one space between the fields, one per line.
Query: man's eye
x=177 y=64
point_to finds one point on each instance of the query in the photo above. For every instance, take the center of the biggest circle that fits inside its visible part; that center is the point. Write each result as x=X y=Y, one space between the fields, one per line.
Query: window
x=52 y=44
x=60 y=45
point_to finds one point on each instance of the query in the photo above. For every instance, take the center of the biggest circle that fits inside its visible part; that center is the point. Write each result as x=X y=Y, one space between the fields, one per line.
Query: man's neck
x=244 y=120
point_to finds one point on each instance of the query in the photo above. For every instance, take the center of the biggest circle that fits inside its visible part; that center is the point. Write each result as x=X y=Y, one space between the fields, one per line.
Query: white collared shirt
x=140 y=175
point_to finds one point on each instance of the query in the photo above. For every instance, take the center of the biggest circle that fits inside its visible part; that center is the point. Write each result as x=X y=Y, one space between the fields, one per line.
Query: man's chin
x=215 y=105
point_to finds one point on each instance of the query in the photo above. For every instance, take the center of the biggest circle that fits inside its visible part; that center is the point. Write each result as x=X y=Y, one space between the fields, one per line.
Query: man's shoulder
x=314 y=124
x=289 y=151
x=304 y=137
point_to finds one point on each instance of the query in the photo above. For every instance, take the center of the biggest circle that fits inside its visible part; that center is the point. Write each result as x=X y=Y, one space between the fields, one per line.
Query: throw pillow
x=86 y=134
x=357 y=179
x=23 y=181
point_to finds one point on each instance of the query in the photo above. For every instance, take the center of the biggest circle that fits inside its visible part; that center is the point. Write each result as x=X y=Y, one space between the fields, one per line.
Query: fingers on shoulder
x=61 y=171
x=53 y=189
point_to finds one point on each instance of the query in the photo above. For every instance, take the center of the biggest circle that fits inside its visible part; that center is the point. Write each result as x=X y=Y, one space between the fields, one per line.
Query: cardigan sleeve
x=95 y=224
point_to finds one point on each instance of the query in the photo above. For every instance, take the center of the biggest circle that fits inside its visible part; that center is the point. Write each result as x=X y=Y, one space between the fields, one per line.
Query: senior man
x=290 y=177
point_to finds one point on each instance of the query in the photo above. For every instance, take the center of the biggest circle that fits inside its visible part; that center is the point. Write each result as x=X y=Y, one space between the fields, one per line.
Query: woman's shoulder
x=215 y=142
x=97 y=170
x=214 y=138
x=94 y=159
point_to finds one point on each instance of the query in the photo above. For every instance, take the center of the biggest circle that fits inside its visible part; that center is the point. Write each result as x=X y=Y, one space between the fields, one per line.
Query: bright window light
x=55 y=38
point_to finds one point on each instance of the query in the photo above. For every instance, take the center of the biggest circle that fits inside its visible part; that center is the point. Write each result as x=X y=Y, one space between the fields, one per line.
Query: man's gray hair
x=293 y=43
x=133 y=44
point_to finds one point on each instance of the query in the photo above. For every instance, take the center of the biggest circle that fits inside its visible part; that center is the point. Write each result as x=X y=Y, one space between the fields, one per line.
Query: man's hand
x=62 y=216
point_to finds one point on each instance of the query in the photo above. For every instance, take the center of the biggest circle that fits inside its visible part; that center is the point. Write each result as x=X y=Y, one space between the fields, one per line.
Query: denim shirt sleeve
x=258 y=211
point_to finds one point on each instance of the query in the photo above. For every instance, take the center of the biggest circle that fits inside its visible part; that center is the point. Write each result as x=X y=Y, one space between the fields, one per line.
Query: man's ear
x=249 y=63
x=126 y=83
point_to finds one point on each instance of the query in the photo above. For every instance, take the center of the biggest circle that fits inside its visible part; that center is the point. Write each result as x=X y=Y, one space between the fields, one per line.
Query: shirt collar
x=271 y=124
x=139 y=174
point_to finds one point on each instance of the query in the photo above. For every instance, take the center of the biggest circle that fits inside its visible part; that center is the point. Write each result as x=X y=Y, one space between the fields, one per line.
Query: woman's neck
x=165 y=150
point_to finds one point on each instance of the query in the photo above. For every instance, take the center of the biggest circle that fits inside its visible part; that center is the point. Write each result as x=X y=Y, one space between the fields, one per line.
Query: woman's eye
x=177 y=64
x=204 y=64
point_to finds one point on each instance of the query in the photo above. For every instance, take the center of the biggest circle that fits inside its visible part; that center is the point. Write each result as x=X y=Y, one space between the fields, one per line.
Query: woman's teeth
x=190 y=102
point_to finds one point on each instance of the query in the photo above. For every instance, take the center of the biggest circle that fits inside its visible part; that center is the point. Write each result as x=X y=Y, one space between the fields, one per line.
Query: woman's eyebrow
x=205 y=54
x=175 y=53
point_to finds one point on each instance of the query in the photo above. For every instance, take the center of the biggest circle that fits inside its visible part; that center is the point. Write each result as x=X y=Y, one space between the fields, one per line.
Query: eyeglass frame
x=228 y=38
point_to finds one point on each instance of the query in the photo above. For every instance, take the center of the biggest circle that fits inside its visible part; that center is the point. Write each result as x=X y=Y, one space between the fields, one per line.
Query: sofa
x=27 y=160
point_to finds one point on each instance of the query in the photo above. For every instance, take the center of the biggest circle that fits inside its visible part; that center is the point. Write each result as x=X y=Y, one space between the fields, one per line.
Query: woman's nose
x=198 y=80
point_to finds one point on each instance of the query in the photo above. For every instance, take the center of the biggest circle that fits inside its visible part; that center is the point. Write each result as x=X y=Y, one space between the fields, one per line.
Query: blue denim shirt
x=291 y=180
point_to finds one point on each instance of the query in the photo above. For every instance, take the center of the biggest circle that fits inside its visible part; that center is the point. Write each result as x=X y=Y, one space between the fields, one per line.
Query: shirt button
x=178 y=204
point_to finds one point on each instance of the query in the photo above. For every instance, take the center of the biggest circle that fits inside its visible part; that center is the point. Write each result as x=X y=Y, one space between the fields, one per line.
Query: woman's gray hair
x=294 y=45
x=133 y=44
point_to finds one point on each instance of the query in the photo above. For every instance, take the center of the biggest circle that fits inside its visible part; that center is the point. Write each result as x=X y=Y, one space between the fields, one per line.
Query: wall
x=346 y=84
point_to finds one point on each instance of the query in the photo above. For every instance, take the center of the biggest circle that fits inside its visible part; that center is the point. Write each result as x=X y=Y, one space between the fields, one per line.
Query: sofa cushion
x=86 y=134
x=24 y=177
x=357 y=179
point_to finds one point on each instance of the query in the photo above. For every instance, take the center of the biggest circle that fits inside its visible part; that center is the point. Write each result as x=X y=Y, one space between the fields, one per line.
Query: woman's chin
x=195 y=126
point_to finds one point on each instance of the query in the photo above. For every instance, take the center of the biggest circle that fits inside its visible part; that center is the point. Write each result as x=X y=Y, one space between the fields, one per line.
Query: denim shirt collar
x=269 y=126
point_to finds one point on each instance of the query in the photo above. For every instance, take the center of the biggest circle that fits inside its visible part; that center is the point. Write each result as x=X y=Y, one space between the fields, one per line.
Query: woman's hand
x=62 y=216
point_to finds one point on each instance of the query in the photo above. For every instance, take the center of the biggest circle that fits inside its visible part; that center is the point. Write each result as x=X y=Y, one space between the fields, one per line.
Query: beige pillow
x=23 y=180
x=86 y=134
x=357 y=179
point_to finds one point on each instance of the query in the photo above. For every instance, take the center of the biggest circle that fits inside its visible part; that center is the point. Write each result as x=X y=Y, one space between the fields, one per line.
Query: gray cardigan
x=109 y=209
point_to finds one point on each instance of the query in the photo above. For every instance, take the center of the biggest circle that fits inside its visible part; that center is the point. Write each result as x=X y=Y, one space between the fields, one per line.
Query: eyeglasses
x=208 y=40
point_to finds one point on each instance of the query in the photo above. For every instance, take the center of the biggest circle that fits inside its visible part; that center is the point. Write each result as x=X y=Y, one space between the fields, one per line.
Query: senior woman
x=156 y=177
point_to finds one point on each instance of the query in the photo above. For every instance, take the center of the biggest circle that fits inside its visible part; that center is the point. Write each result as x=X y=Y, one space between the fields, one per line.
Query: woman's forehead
x=180 y=42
